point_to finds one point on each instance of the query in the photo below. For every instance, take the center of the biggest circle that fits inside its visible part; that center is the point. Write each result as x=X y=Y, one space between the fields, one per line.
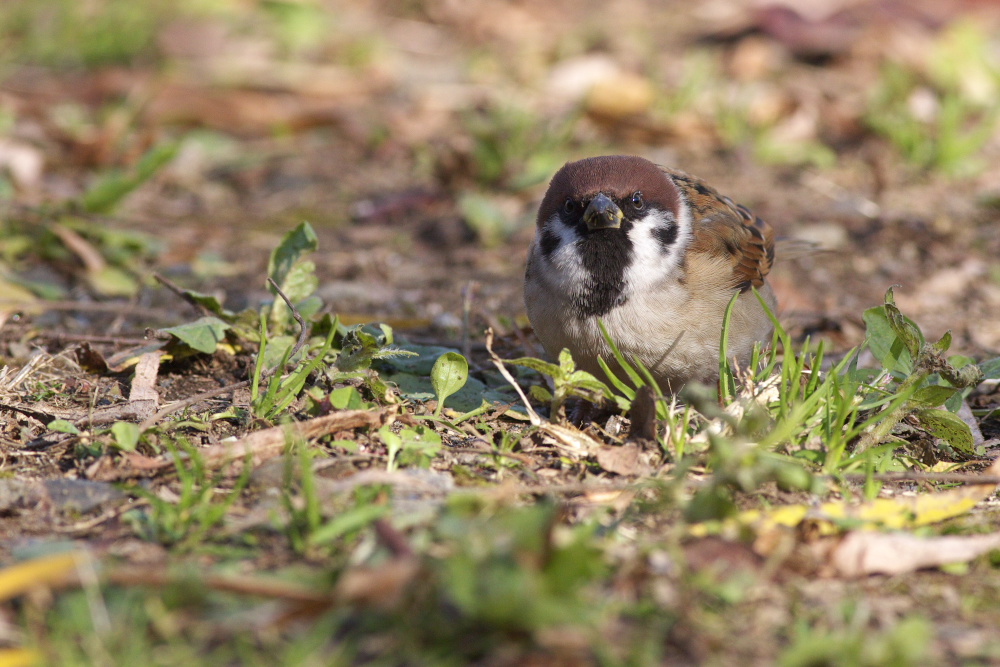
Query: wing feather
x=722 y=228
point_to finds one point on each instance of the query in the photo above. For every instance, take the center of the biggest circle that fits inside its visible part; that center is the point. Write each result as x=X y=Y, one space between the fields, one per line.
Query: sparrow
x=656 y=255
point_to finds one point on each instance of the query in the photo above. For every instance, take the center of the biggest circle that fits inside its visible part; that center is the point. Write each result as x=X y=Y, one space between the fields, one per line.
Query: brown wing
x=722 y=228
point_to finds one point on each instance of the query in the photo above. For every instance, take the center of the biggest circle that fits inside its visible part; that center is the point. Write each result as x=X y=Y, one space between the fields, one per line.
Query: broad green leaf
x=11 y=292
x=347 y=522
x=63 y=426
x=300 y=282
x=345 y=398
x=543 y=367
x=933 y=395
x=449 y=374
x=566 y=363
x=309 y=306
x=126 y=435
x=954 y=402
x=486 y=217
x=362 y=344
x=540 y=393
x=113 y=281
x=885 y=345
x=949 y=427
x=298 y=285
x=960 y=360
x=293 y=246
x=904 y=328
x=277 y=347
x=416 y=445
x=419 y=388
x=584 y=380
x=202 y=335
x=991 y=369
x=420 y=445
x=420 y=364
x=110 y=190
x=12 y=287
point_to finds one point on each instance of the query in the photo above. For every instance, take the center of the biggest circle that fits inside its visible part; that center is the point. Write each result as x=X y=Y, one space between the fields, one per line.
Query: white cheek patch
x=651 y=262
x=568 y=273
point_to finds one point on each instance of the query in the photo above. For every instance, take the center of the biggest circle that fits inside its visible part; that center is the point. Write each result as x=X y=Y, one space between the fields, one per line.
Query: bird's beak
x=602 y=213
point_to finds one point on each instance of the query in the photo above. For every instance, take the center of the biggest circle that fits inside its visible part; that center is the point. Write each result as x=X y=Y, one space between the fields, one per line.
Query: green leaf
x=393 y=444
x=110 y=190
x=348 y=522
x=419 y=446
x=126 y=435
x=960 y=360
x=486 y=218
x=293 y=246
x=885 y=345
x=113 y=281
x=420 y=364
x=949 y=427
x=202 y=335
x=586 y=381
x=209 y=303
x=991 y=369
x=418 y=388
x=543 y=367
x=309 y=306
x=300 y=282
x=63 y=426
x=904 y=328
x=276 y=349
x=933 y=395
x=623 y=363
x=449 y=374
x=566 y=363
x=294 y=275
x=624 y=389
x=540 y=393
x=727 y=383
x=345 y=398
x=943 y=344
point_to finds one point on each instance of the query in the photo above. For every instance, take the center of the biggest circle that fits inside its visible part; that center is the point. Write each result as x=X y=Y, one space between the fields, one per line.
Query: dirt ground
x=417 y=139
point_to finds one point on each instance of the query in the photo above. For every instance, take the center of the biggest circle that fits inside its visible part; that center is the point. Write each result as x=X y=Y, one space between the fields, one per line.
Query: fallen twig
x=262 y=445
x=917 y=476
x=302 y=328
x=180 y=292
x=197 y=398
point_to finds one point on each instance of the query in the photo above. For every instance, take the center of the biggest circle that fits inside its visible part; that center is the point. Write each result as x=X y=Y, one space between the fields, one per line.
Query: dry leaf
x=381 y=587
x=861 y=553
x=143 y=396
x=623 y=460
x=896 y=513
x=46 y=571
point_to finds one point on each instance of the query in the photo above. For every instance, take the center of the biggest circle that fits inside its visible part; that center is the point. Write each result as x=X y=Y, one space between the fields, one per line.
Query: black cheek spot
x=549 y=242
x=666 y=235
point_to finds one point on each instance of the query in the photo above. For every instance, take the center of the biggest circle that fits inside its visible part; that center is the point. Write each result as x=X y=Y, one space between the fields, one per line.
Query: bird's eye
x=569 y=206
x=638 y=203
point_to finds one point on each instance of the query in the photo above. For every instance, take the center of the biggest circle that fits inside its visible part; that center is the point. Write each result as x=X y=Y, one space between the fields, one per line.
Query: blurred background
x=417 y=138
